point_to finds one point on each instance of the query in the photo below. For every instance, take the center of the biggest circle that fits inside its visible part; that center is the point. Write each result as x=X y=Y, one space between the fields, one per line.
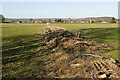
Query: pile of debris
x=70 y=41
x=84 y=60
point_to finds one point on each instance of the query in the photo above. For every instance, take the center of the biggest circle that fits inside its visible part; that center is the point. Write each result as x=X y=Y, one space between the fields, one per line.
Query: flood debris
x=75 y=65
x=79 y=56
x=69 y=40
x=102 y=75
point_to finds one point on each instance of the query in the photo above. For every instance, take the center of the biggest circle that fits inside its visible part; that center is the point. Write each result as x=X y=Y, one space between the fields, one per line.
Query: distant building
x=32 y=21
x=64 y=21
x=71 y=21
x=44 y=21
x=38 y=21
x=17 y=21
x=84 y=21
x=68 y=20
x=91 y=20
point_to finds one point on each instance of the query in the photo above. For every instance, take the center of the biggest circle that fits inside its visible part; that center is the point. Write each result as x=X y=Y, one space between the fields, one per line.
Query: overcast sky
x=59 y=9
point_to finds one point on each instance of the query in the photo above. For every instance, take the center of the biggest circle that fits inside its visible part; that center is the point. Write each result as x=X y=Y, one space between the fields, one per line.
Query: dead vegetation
x=70 y=41
x=75 y=56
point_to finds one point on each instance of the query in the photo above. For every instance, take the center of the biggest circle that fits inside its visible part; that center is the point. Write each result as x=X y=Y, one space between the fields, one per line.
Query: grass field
x=23 y=46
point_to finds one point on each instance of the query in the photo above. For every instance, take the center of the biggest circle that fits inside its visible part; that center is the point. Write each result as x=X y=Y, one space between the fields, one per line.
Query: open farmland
x=24 y=49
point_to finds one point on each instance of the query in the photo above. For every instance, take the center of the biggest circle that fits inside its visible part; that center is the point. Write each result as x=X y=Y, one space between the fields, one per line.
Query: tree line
x=2 y=19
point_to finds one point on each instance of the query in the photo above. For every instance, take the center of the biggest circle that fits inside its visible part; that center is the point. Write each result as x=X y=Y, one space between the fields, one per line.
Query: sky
x=59 y=9
x=59 y=0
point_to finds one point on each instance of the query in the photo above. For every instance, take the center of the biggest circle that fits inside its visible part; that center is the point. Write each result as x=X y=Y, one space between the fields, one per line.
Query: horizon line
x=56 y=17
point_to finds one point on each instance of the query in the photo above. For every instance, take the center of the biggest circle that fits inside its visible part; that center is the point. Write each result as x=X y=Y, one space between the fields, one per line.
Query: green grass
x=22 y=46
x=76 y=26
x=24 y=49
x=11 y=30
